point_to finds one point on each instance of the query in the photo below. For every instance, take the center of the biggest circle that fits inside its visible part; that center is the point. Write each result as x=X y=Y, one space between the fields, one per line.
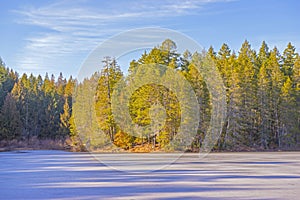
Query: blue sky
x=56 y=36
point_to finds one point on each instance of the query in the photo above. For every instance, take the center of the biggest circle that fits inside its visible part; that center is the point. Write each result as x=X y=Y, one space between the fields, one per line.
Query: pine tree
x=288 y=57
x=296 y=75
x=10 y=123
x=288 y=116
x=7 y=81
x=223 y=64
x=232 y=84
x=277 y=79
x=296 y=96
x=64 y=129
x=110 y=75
x=263 y=53
x=248 y=87
x=203 y=97
x=84 y=122
x=263 y=95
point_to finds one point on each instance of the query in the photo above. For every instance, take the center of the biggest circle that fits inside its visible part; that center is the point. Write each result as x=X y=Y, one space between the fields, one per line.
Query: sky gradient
x=56 y=36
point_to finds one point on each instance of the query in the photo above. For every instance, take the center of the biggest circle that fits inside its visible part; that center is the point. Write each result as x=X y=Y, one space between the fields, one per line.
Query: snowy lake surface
x=65 y=175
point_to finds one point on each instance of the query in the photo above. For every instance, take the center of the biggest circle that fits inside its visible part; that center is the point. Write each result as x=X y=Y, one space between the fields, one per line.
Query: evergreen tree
x=10 y=123
x=264 y=117
x=288 y=116
x=263 y=53
x=109 y=76
x=296 y=96
x=263 y=100
x=7 y=81
x=277 y=79
x=64 y=129
x=288 y=57
x=247 y=104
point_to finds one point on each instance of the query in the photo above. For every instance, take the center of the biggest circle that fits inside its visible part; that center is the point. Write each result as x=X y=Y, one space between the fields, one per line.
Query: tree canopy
x=262 y=99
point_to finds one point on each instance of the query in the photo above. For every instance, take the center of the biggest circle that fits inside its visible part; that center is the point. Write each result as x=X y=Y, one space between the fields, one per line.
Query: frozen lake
x=65 y=175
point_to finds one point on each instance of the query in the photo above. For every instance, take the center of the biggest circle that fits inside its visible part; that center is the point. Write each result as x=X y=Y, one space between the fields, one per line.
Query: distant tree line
x=34 y=106
x=262 y=91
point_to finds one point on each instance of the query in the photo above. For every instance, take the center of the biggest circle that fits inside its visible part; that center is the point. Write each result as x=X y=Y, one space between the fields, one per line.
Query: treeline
x=262 y=88
x=262 y=96
x=34 y=107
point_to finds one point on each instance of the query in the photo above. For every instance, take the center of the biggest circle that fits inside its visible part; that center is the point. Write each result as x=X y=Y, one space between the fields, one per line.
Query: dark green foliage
x=38 y=107
x=262 y=95
x=289 y=56
x=7 y=81
x=10 y=122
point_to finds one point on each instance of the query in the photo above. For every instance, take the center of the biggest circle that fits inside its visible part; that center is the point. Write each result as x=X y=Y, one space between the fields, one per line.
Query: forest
x=262 y=103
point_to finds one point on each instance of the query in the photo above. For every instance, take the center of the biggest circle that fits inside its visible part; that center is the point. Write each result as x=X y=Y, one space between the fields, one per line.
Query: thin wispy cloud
x=71 y=29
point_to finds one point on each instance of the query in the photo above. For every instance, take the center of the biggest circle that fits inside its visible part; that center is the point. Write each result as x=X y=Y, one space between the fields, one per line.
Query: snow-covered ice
x=66 y=175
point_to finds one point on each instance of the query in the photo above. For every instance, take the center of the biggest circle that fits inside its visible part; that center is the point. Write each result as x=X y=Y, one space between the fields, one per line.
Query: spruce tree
x=288 y=58
x=10 y=122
